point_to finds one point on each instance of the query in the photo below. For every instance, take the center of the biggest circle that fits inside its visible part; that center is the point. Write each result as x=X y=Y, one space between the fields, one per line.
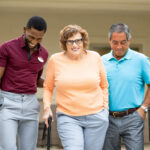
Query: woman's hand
x=47 y=114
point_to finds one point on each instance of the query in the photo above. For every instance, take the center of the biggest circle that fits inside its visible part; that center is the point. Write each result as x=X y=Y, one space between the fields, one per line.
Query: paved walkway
x=146 y=147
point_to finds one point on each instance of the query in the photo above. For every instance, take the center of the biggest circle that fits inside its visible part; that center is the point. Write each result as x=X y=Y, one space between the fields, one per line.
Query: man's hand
x=40 y=83
x=2 y=70
x=141 y=112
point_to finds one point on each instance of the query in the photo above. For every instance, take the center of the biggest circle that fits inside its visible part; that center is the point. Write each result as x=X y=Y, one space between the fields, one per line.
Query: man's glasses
x=77 y=41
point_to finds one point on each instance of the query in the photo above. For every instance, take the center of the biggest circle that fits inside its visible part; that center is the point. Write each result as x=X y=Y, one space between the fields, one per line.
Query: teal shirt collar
x=127 y=55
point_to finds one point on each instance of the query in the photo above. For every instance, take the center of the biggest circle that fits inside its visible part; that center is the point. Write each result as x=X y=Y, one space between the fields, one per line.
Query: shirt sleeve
x=104 y=83
x=3 y=55
x=48 y=84
x=146 y=70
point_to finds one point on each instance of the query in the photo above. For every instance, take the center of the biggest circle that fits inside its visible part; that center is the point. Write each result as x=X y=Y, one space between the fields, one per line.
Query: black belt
x=118 y=114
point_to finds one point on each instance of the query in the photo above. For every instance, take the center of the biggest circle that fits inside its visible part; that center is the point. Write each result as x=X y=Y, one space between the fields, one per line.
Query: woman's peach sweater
x=81 y=85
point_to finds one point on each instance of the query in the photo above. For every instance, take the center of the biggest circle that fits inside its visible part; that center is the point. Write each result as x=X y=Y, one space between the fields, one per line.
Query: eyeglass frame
x=77 y=41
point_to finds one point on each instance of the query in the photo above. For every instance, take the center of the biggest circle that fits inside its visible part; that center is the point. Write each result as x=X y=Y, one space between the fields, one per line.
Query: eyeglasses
x=77 y=41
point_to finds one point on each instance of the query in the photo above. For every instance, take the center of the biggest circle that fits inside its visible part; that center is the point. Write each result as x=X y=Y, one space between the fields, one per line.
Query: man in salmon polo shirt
x=127 y=71
x=21 y=65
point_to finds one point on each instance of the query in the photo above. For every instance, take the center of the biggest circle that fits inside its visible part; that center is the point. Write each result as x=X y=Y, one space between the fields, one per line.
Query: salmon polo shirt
x=81 y=85
x=21 y=73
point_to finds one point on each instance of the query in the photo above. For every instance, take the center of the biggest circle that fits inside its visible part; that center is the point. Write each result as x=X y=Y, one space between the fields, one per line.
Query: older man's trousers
x=128 y=128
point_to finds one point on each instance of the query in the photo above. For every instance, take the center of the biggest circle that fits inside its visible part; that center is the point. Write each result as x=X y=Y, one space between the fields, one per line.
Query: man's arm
x=2 y=70
x=146 y=102
x=40 y=82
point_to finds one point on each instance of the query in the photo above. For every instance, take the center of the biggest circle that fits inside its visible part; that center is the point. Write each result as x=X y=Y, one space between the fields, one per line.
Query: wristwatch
x=144 y=108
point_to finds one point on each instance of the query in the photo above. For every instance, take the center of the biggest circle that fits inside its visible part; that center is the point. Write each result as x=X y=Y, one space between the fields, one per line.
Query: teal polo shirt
x=126 y=78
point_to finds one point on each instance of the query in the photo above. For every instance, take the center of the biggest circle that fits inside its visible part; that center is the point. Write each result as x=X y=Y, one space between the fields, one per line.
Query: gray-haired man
x=127 y=72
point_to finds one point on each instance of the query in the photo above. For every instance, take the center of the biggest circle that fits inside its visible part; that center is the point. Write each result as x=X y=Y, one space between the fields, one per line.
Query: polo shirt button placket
x=117 y=66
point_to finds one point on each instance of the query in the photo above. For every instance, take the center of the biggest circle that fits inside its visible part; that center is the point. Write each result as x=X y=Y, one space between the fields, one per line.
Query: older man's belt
x=118 y=114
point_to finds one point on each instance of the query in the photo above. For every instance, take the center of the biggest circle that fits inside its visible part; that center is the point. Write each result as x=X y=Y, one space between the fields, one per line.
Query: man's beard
x=37 y=46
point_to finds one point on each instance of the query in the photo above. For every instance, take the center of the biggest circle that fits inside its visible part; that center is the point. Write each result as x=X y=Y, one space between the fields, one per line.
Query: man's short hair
x=37 y=23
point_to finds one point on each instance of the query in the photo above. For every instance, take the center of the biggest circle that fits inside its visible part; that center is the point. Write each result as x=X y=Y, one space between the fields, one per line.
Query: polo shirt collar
x=127 y=55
